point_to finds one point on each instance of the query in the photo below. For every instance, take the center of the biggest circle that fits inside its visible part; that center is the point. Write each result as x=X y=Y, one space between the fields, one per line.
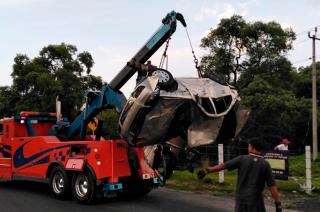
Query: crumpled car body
x=197 y=109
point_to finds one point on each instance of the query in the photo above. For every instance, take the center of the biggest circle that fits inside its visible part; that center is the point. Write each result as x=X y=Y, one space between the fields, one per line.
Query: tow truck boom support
x=110 y=96
x=151 y=46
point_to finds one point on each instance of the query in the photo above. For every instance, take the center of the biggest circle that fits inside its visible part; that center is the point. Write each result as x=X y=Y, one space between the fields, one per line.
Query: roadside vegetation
x=292 y=190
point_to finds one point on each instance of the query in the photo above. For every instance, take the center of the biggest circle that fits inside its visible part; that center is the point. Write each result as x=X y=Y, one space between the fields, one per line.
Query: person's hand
x=202 y=173
x=278 y=206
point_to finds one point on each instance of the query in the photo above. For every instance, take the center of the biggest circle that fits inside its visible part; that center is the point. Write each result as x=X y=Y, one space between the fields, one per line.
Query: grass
x=185 y=180
x=292 y=189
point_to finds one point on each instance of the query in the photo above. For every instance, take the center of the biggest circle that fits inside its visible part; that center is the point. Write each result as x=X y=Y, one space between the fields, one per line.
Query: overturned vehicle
x=172 y=116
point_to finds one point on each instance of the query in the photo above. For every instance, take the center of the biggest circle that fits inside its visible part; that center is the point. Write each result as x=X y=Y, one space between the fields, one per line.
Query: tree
x=225 y=45
x=57 y=71
x=303 y=81
x=7 y=99
x=276 y=113
x=110 y=126
x=237 y=47
x=252 y=56
x=303 y=89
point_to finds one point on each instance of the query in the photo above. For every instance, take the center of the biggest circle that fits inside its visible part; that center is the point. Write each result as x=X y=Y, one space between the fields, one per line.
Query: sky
x=113 y=31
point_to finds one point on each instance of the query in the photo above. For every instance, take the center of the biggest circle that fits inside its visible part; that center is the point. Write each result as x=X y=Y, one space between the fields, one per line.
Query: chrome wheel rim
x=58 y=183
x=163 y=76
x=81 y=185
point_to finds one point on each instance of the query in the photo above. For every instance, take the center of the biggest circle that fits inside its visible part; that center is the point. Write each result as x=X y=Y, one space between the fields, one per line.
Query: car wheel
x=59 y=183
x=83 y=187
x=165 y=78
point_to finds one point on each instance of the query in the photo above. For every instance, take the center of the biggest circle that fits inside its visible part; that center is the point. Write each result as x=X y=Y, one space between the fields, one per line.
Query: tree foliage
x=58 y=71
x=252 y=56
x=276 y=113
x=7 y=99
x=110 y=124
x=237 y=46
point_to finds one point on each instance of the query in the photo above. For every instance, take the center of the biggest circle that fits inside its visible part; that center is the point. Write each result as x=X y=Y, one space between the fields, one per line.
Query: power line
x=302 y=33
x=303 y=60
x=300 y=61
x=302 y=41
x=305 y=31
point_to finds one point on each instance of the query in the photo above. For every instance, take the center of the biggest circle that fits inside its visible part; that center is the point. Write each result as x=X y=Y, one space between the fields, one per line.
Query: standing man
x=283 y=146
x=254 y=173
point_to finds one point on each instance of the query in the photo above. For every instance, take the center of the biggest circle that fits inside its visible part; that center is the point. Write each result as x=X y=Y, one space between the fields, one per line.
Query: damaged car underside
x=188 y=113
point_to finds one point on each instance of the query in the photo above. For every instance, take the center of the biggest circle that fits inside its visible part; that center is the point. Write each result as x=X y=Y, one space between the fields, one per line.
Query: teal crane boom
x=110 y=95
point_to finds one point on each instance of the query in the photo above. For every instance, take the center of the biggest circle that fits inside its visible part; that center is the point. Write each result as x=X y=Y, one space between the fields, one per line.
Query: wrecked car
x=179 y=113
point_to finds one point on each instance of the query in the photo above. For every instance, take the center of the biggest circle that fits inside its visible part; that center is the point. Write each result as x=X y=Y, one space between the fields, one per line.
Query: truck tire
x=144 y=190
x=59 y=183
x=135 y=189
x=84 y=187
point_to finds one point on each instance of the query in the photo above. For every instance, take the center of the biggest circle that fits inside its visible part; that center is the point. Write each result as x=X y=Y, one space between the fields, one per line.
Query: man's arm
x=202 y=173
x=216 y=168
x=274 y=193
x=273 y=188
x=230 y=165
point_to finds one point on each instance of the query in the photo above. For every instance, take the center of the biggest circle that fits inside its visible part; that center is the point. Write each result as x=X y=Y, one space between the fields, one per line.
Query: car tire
x=166 y=79
x=59 y=183
x=84 y=187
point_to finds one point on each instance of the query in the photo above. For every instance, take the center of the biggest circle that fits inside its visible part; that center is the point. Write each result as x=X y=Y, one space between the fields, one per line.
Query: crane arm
x=168 y=27
x=110 y=95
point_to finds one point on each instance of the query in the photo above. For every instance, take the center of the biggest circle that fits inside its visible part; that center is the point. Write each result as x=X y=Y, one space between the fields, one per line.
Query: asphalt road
x=34 y=197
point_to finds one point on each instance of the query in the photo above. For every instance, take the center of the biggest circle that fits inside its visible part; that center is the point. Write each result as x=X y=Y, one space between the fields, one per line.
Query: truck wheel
x=144 y=190
x=59 y=183
x=83 y=187
x=134 y=189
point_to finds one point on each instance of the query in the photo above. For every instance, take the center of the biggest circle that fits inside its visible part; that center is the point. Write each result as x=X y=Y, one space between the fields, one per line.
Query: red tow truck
x=88 y=167
x=46 y=147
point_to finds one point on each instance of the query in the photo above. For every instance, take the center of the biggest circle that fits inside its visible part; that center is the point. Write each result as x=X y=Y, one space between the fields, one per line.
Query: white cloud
x=205 y=13
x=219 y=11
x=228 y=12
x=286 y=25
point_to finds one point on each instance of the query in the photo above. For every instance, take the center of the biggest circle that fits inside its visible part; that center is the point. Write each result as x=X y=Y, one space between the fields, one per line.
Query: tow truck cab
x=27 y=153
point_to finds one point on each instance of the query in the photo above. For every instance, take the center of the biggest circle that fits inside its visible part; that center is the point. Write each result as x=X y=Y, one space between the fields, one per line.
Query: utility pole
x=314 y=96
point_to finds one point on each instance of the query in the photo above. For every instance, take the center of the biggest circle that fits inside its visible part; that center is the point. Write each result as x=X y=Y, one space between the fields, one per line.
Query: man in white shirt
x=283 y=146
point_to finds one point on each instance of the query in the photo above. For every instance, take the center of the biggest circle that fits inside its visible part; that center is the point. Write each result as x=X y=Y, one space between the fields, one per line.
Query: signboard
x=278 y=161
